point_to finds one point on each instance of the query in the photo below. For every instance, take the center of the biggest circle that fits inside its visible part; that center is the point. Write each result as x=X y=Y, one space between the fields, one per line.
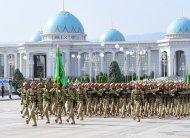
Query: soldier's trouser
x=23 y=108
x=101 y=107
x=89 y=112
x=64 y=109
x=55 y=108
x=68 y=105
x=96 y=106
x=59 y=112
x=123 y=109
x=71 y=114
x=45 y=112
x=32 y=114
x=80 y=109
x=137 y=111
x=25 y=112
x=178 y=110
x=40 y=108
x=112 y=109
x=146 y=107
x=106 y=108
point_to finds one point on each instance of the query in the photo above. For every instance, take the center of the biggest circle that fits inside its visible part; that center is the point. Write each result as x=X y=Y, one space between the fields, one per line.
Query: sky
x=20 y=19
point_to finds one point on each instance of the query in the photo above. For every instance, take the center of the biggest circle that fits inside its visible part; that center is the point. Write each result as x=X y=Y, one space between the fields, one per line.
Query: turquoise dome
x=36 y=38
x=181 y=25
x=63 y=22
x=112 y=35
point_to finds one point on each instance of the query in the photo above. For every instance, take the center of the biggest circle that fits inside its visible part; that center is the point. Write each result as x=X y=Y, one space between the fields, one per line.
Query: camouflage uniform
x=136 y=99
x=32 y=94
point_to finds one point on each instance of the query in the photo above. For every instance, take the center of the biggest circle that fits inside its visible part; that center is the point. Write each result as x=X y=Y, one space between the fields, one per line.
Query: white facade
x=23 y=57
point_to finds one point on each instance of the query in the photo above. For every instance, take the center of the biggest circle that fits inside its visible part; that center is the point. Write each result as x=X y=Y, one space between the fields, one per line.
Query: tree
x=86 y=79
x=114 y=73
x=18 y=76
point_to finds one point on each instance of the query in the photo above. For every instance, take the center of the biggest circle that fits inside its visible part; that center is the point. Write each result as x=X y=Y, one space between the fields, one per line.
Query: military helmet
x=40 y=85
x=112 y=85
x=25 y=84
x=106 y=85
x=33 y=83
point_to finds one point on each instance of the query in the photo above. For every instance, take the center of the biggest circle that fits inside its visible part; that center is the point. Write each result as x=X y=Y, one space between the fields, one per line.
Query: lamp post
x=10 y=62
x=76 y=57
x=164 y=60
x=182 y=68
x=127 y=54
x=138 y=53
x=131 y=69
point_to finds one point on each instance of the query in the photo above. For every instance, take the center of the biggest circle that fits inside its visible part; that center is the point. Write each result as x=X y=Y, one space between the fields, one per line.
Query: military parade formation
x=136 y=100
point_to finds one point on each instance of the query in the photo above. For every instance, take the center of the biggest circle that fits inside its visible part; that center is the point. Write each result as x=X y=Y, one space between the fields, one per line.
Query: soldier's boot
x=33 y=117
x=73 y=120
x=35 y=123
x=29 y=118
x=47 y=117
x=56 y=120
x=138 y=119
x=81 y=115
x=68 y=119
x=27 y=121
x=60 y=121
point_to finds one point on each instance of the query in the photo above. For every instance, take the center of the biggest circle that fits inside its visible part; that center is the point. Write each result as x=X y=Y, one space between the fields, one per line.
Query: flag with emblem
x=59 y=70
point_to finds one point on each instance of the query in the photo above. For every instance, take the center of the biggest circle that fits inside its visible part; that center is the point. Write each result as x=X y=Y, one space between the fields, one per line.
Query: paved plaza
x=13 y=126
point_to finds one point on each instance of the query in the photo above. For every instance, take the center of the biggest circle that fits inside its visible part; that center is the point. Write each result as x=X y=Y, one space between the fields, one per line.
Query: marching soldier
x=106 y=96
x=24 y=99
x=123 y=100
x=59 y=102
x=53 y=106
x=71 y=100
x=46 y=101
x=32 y=94
x=39 y=109
x=81 y=99
x=137 y=99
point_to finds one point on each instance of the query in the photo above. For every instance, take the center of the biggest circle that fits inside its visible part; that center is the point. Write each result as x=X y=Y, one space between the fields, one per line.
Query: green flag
x=59 y=70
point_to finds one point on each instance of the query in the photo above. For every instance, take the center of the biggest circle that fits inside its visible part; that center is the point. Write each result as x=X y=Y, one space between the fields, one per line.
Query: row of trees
x=114 y=76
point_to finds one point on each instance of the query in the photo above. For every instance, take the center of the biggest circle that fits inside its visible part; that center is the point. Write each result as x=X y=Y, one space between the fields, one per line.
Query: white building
x=36 y=58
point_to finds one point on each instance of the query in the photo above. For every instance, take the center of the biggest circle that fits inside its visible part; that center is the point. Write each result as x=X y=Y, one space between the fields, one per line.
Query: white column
x=31 y=66
x=90 y=65
x=27 y=65
x=67 y=64
x=79 y=65
x=21 y=70
x=48 y=66
x=174 y=65
x=186 y=53
x=149 y=62
x=125 y=65
x=16 y=61
x=160 y=64
x=113 y=55
x=170 y=63
x=5 y=66
x=102 y=64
